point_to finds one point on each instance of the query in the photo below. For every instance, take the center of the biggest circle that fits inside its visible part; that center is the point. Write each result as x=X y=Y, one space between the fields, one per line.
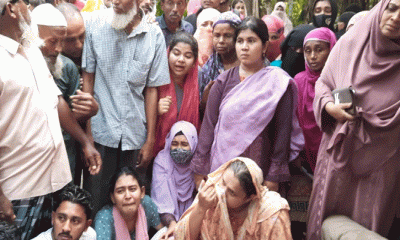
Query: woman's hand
x=338 y=111
x=207 y=196
x=206 y=93
x=170 y=231
x=164 y=104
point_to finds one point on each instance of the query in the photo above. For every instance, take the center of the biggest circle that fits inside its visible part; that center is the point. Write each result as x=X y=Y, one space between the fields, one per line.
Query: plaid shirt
x=123 y=65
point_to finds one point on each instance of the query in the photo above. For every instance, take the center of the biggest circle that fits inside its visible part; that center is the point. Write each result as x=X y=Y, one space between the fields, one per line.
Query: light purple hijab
x=173 y=184
x=246 y=111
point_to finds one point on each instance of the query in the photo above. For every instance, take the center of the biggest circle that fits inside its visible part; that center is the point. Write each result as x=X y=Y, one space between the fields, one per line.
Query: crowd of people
x=117 y=124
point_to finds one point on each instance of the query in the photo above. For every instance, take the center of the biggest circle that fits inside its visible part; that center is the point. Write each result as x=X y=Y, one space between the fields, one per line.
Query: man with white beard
x=33 y=160
x=124 y=61
x=52 y=29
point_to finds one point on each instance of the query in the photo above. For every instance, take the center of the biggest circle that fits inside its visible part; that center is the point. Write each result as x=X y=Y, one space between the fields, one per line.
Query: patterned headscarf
x=228 y=17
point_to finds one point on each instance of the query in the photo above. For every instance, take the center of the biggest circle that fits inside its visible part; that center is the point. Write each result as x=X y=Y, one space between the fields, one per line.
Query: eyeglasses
x=13 y=2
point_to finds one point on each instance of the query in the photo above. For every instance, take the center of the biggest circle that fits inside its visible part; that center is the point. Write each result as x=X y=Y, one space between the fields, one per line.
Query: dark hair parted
x=184 y=37
x=74 y=194
x=241 y=171
x=256 y=25
x=124 y=171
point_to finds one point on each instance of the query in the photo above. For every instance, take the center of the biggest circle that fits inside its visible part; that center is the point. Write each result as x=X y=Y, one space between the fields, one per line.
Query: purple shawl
x=369 y=62
x=173 y=184
x=306 y=84
x=246 y=111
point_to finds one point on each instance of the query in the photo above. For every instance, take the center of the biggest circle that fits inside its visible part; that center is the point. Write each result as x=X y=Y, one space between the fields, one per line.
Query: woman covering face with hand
x=178 y=100
x=357 y=171
x=233 y=204
x=173 y=183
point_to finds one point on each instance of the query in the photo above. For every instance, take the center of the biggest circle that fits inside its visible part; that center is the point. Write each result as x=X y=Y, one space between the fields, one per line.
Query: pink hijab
x=306 y=84
x=369 y=62
x=203 y=35
x=275 y=25
x=193 y=6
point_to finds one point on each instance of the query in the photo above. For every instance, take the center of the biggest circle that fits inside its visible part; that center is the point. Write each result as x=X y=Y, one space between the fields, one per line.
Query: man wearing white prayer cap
x=33 y=160
x=52 y=27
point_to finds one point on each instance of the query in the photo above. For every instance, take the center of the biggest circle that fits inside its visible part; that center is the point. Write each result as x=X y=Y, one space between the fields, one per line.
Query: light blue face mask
x=181 y=156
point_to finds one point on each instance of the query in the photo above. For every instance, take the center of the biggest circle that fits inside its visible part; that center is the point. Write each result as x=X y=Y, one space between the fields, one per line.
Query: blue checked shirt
x=123 y=65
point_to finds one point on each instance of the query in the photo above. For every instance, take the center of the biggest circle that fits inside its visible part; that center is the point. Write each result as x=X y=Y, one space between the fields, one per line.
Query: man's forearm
x=88 y=82
x=150 y=99
x=69 y=123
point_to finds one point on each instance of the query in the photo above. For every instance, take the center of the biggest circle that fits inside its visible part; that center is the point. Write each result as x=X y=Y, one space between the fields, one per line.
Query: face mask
x=181 y=156
x=322 y=20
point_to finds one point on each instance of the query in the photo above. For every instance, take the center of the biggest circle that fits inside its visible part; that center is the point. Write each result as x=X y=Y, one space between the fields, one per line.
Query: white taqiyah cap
x=47 y=15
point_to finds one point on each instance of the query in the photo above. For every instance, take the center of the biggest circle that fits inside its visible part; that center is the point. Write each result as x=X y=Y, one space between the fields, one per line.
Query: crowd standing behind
x=187 y=128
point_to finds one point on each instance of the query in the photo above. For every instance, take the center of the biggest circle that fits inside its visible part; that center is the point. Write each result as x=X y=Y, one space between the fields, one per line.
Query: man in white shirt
x=71 y=216
x=33 y=159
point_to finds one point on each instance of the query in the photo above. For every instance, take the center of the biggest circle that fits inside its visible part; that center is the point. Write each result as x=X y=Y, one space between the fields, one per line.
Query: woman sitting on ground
x=233 y=204
x=173 y=183
x=131 y=213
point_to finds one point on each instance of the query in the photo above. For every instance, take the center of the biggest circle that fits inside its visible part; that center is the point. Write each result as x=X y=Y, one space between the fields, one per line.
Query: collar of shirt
x=143 y=27
x=9 y=44
x=163 y=24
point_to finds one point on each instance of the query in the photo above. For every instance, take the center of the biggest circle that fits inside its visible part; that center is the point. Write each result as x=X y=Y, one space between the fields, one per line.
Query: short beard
x=55 y=68
x=31 y=37
x=120 y=21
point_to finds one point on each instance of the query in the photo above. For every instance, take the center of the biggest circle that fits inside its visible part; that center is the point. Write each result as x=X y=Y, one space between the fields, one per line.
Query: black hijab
x=325 y=21
x=345 y=18
x=292 y=61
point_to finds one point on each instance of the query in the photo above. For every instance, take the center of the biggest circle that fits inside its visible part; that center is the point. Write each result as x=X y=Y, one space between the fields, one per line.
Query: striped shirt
x=123 y=65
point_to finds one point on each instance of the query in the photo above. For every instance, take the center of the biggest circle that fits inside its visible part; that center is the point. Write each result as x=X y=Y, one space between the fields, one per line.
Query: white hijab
x=282 y=15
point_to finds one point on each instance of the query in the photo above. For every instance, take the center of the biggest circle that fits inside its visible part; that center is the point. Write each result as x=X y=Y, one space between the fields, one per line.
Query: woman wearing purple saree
x=250 y=113
x=357 y=172
x=173 y=183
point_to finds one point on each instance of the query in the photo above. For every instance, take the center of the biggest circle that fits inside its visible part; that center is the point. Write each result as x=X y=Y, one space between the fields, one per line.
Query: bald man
x=73 y=41
x=33 y=159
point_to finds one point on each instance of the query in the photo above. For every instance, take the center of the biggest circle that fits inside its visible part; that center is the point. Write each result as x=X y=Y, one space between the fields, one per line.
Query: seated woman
x=223 y=57
x=250 y=113
x=178 y=100
x=173 y=183
x=276 y=29
x=233 y=204
x=131 y=214
x=317 y=45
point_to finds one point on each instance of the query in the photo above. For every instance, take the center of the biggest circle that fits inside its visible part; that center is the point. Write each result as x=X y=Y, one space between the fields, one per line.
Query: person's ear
x=10 y=9
x=112 y=198
x=53 y=217
x=143 y=189
x=265 y=47
x=88 y=223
